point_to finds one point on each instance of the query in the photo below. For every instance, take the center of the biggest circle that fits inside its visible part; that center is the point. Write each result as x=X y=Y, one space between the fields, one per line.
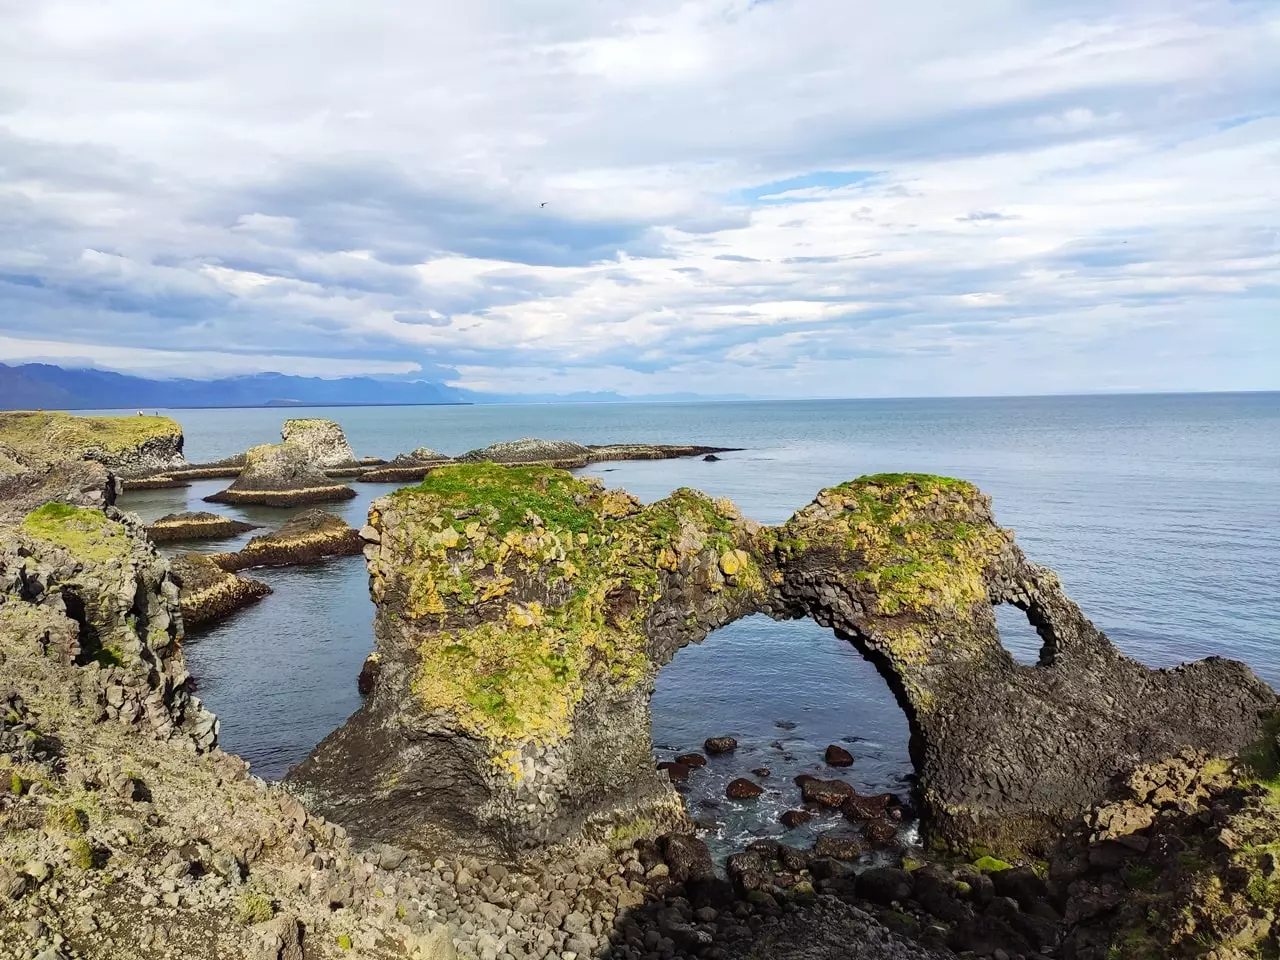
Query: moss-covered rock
x=523 y=614
x=131 y=446
x=196 y=526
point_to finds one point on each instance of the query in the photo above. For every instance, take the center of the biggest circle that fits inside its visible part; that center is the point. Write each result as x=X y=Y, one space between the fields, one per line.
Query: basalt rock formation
x=523 y=615
x=196 y=526
x=324 y=441
x=128 y=446
x=406 y=467
x=310 y=536
x=84 y=588
x=281 y=475
x=568 y=455
x=208 y=593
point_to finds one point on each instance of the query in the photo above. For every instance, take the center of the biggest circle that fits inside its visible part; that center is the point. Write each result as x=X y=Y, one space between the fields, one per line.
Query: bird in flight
x=544 y=203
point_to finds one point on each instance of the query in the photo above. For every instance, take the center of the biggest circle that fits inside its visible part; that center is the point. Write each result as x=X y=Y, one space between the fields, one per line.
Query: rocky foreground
x=508 y=805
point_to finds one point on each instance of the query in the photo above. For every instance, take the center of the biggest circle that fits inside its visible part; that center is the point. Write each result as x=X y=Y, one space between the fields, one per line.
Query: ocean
x=1160 y=513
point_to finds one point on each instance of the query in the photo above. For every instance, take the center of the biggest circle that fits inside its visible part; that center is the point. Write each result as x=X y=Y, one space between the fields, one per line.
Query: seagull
x=544 y=203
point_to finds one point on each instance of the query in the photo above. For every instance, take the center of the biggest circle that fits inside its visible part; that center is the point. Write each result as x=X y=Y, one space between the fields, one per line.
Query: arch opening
x=785 y=691
x=1020 y=636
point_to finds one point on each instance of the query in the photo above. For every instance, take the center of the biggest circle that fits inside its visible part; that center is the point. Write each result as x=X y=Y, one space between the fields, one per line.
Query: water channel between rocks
x=281 y=675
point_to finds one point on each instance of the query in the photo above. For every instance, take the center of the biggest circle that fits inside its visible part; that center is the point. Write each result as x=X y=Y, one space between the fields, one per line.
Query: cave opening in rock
x=785 y=691
x=1019 y=636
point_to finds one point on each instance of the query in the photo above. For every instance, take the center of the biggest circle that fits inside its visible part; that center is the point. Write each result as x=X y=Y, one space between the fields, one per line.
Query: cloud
x=798 y=197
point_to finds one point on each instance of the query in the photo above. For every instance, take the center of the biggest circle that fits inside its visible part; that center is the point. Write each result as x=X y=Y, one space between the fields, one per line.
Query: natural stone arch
x=523 y=614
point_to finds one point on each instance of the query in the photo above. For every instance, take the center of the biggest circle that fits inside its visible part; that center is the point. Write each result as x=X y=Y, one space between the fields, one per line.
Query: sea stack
x=281 y=475
x=324 y=441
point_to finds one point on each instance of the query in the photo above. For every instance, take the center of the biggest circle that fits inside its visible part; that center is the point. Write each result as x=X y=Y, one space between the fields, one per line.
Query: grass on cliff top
x=88 y=534
x=70 y=435
x=921 y=546
x=513 y=492
x=468 y=530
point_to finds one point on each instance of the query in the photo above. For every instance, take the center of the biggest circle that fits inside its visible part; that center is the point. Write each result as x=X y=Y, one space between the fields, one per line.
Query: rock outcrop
x=523 y=615
x=406 y=467
x=324 y=441
x=281 y=475
x=310 y=536
x=128 y=446
x=196 y=526
x=85 y=589
x=566 y=454
x=208 y=593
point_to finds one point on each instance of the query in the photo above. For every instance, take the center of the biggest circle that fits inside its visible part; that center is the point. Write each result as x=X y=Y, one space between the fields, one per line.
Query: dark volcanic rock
x=710 y=458
x=196 y=526
x=678 y=772
x=743 y=789
x=310 y=536
x=866 y=808
x=795 y=818
x=837 y=756
x=881 y=833
x=686 y=857
x=281 y=475
x=837 y=848
x=828 y=793
x=884 y=885
x=692 y=759
x=209 y=593
x=718 y=745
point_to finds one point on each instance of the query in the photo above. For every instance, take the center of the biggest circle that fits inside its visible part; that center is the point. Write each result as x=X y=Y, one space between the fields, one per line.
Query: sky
x=777 y=198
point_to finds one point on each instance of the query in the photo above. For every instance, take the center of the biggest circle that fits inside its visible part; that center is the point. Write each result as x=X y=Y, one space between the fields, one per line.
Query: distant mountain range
x=42 y=386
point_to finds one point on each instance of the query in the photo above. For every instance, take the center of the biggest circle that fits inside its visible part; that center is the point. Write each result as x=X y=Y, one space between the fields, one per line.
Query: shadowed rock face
x=281 y=475
x=523 y=615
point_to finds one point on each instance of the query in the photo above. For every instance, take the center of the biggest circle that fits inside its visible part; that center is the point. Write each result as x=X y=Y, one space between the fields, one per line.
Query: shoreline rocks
x=310 y=536
x=208 y=593
x=190 y=525
x=568 y=454
x=281 y=475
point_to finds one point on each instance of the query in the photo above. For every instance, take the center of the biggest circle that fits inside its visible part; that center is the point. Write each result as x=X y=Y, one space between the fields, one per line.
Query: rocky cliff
x=129 y=446
x=524 y=613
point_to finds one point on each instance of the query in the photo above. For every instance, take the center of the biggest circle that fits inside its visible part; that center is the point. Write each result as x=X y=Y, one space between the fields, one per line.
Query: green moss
x=469 y=532
x=991 y=865
x=253 y=907
x=16 y=785
x=1140 y=877
x=88 y=534
x=81 y=853
x=65 y=819
x=344 y=941
x=69 y=435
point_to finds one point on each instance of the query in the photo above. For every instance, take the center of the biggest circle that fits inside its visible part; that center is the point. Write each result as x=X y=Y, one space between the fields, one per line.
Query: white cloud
x=1043 y=180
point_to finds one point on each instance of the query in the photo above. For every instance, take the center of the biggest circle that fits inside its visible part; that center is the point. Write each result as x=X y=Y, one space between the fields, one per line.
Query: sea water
x=1160 y=513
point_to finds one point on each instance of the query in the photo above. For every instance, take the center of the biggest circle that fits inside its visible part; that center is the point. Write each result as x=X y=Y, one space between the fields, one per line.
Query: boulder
x=795 y=818
x=196 y=526
x=310 y=536
x=719 y=745
x=837 y=848
x=209 y=593
x=281 y=475
x=323 y=440
x=837 y=756
x=687 y=858
x=743 y=789
x=884 y=885
x=523 y=616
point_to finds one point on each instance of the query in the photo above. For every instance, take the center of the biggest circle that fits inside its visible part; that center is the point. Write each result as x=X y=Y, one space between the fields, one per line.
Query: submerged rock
x=719 y=745
x=310 y=536
x=196 y=526
x=523 y=615
x=209 y=593
x=323 y=440
x=743 y=789
x=837 y=756
x=281 y=475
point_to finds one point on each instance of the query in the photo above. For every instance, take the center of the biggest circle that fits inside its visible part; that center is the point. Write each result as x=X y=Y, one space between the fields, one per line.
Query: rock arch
x=523 y=615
